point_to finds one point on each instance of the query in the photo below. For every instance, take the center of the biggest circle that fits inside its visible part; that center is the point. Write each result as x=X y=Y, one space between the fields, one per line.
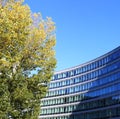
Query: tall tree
x=27 y=59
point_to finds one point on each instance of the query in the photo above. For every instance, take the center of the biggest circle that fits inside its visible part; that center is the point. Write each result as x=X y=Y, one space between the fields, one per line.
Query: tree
x=27 y=59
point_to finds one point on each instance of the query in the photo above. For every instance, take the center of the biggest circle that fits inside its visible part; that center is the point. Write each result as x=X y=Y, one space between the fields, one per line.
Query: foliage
x=26 y=46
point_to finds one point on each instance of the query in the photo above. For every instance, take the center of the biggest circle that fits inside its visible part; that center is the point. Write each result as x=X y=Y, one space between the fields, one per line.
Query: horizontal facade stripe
x=92 y=110
x=84 y=101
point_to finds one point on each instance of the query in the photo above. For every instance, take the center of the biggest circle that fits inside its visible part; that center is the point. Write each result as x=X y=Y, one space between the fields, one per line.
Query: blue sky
x=85 y=29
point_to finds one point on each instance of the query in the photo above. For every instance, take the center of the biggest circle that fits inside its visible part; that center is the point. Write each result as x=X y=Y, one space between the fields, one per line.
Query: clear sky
x=85 y=29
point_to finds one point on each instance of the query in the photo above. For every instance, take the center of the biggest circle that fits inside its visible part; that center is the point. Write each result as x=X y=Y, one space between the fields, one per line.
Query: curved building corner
x=87 y=91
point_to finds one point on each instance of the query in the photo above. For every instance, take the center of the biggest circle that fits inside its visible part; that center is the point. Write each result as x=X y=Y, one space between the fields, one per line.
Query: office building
x=87 y=91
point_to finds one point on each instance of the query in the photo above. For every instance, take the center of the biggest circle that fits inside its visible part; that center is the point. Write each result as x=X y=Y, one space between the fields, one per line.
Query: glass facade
x=87 y=91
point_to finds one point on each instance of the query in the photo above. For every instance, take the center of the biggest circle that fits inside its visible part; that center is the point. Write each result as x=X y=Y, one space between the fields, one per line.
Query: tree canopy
x=27 y=59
